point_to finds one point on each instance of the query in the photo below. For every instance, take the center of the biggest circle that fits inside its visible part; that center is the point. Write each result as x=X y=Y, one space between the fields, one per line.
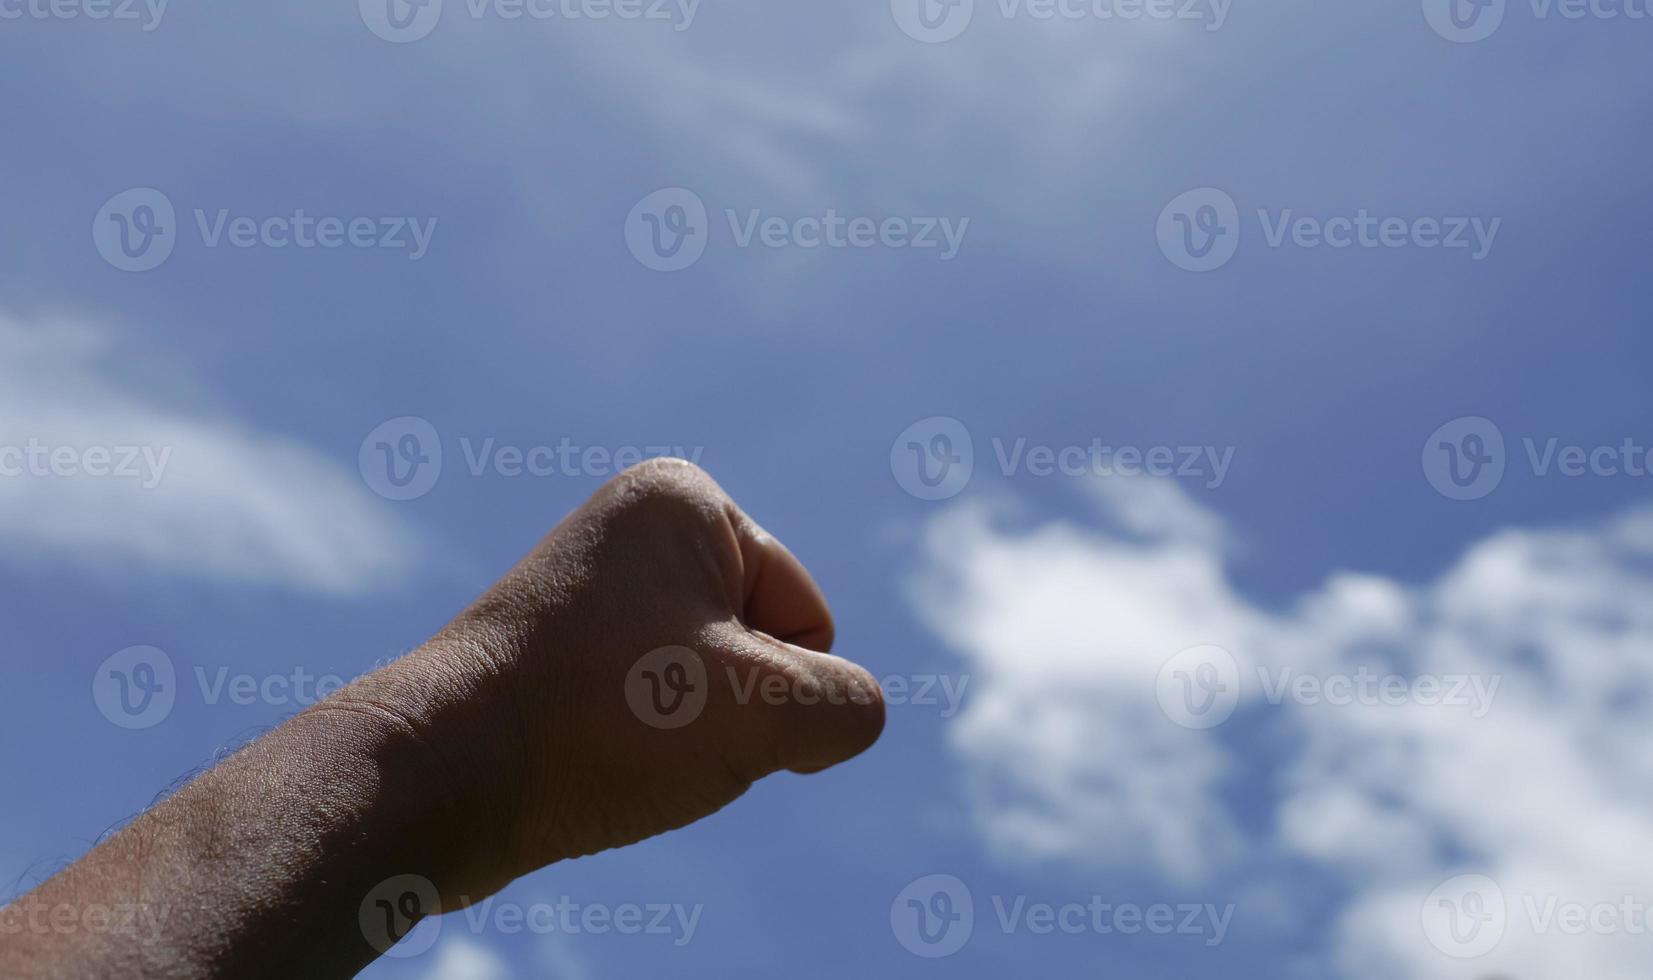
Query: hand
x=652 y=658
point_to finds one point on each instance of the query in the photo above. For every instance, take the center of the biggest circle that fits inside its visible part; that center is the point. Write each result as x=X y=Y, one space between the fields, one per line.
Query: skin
x=520 y=735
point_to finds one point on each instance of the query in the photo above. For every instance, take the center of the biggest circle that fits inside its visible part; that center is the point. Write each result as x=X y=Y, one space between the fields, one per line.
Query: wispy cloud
x=808 y=105
x=100 y=477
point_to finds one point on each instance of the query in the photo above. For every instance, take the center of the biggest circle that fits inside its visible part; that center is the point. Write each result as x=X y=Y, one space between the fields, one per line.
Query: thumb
x=788 y=707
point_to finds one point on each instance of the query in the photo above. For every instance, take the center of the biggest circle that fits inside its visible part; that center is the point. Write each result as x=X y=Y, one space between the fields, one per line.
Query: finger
x=780 y=596
x=796 y=708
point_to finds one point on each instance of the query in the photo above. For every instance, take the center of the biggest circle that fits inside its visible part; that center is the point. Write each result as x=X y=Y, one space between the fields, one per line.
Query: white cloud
x=208 y=497
x=1064 y=629
x=1548 y=793
x=464 y=959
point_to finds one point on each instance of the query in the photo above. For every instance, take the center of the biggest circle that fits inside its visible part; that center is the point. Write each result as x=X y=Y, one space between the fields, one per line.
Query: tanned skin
x=504 y=744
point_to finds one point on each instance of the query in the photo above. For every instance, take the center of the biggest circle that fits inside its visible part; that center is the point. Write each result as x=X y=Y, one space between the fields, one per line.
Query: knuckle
x=672 y=492
x=668 y=477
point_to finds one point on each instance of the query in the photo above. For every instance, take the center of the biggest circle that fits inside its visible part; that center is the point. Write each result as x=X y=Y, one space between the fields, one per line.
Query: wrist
x=417 y=742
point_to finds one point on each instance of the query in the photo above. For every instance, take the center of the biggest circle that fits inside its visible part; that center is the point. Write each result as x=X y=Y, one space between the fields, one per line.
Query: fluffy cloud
x=1540 y=779
x=106 y=479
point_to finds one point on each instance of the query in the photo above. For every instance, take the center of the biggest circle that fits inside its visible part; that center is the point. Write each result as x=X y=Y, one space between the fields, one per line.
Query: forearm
x=522 y=735
x=260 y=866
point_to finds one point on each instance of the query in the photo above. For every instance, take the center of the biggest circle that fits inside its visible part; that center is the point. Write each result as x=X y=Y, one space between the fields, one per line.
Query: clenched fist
x=652 y=658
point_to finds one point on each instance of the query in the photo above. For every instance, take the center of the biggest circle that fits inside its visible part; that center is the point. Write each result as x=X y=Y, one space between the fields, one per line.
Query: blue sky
x=524 y=146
